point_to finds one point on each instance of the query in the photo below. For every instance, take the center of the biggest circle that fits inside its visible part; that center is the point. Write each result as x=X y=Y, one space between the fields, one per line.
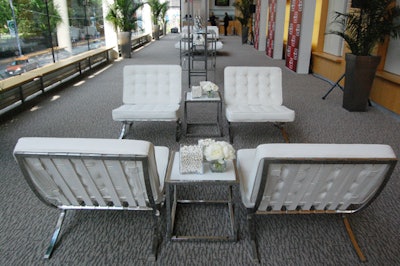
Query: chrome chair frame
x=98 y=203
x=253 y=212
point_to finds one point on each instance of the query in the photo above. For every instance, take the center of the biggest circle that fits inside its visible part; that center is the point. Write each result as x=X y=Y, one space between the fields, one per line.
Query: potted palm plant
x=163 y=17
x=244 y=7
x=368 y=23
x=122 y=14
x=157 y=9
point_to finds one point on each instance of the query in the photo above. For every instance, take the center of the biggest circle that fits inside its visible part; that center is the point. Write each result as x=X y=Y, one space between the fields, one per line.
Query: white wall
x=334 y=44
x=392 y=63
x=262 y=38
x=307 y=25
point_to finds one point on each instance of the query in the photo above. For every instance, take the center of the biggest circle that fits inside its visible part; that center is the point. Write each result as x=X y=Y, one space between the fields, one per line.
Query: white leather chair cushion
x=253 y=86
x=152 y=84
x=254 y=94
x=247 y=169
x=82 y=145
x=259 y=113
x=250 y=162
x=128 y=112
x=162 y=158
x=157 y=156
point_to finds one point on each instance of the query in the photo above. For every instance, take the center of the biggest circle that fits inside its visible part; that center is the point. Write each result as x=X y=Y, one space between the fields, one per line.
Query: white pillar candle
x=196 y=91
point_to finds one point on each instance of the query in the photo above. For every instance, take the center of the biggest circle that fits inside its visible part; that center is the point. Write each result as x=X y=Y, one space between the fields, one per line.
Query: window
x=392 y=63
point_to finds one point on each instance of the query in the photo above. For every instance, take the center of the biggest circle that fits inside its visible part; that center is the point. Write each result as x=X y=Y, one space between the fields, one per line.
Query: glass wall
x=30 y=31
x=86 y=23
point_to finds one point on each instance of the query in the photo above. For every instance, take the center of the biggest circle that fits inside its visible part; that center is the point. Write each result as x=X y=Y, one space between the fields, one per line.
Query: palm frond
x=244 y=7
x=122 y=14
x=363 y=28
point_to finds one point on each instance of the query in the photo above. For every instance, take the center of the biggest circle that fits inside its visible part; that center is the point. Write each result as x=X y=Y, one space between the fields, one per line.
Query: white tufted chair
x=95 y=174
x=150 y=93
x=254 y=94
x=312 y=178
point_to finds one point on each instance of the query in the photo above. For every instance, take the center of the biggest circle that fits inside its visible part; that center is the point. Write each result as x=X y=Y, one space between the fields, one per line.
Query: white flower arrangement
x=208 y=86
x=203 y=143
x=219 y=151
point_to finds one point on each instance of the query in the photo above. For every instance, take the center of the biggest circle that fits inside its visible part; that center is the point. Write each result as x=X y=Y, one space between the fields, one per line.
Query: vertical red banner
x=271 y=27
x=293 y=40
x=257 y=25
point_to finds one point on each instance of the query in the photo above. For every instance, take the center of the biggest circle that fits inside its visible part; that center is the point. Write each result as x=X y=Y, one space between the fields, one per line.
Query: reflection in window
x=37 y=24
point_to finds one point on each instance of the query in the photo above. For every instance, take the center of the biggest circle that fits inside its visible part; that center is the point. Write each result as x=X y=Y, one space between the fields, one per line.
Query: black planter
x=125 y=43
x=156 y=32
x=245 y=33
x=360 y=74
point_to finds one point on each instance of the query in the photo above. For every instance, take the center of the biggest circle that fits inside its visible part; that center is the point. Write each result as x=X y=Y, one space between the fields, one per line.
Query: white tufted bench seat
x=150 y=93
x=95 y=174
x=254 y=94
x=312 y=179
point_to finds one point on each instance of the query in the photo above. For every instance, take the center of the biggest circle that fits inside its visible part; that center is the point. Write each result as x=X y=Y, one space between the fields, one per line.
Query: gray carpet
x=122 y=238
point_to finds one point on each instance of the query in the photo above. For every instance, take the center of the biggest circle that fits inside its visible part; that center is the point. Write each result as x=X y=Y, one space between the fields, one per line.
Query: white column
x=276 y=28
x=301 y=24
x=110 y=34
x=147 y=21
x=392 y=63
x=307 y=27
x=333 y=44
x=63 y=34
x=262 y=38
x=279 y=29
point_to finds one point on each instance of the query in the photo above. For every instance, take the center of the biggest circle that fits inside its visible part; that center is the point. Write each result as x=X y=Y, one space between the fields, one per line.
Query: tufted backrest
x=152 y=84
x=336 y=177
x=92 y=173
x=252 y=85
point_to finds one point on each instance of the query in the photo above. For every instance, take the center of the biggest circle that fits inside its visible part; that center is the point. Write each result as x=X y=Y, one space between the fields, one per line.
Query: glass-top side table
x=228 y=179
x=217 y=99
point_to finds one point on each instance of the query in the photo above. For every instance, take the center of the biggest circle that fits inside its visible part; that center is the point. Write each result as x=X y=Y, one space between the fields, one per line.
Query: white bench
x=312 y=179
x=95 y=174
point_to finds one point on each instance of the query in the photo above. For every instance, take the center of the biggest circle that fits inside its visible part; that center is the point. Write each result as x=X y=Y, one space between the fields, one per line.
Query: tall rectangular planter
x=360 y=74
x=125 y=43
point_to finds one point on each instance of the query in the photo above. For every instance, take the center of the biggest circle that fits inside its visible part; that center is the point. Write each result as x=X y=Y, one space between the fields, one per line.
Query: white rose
x=205 y=142
x=208 y=86
x=229 y=151
x=214 y=152
x=219 y=150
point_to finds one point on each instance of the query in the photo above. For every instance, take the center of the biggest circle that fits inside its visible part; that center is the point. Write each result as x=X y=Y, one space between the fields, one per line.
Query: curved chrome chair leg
x=353 y=239
x=55 y=235
x=230 y=132
x=285 y=136
x=124 y=129
x=178 y=130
